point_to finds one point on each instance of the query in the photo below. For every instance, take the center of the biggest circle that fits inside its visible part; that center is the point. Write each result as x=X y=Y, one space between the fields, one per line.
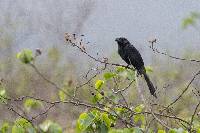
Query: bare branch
x=155 y=50
x=187 y=87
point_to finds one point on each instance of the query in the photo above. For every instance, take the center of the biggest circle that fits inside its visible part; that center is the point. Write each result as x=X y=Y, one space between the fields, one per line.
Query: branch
x=155 y=50
x=49 y=81
x=75 y=42
x=192 y=118
x=187 y=87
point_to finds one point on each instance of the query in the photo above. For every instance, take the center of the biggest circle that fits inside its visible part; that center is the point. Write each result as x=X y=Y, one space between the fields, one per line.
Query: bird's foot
x=127 y=67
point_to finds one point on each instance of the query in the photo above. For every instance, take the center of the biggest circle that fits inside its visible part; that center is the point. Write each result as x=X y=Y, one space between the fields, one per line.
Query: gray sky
x=140 y=19
x=33 y=23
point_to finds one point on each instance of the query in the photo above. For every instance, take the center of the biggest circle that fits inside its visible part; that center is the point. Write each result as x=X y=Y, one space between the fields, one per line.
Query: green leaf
x=26 y=56
x=198 y=130
x=3 y=95
x=62 y=95
x=103 y=128
x=2 y=92
x=106 y=119
x=179 y=130
x=172 y=131
x=136 y=118
x=55 y=128
x=22 y=126
x=32 y=104
x=50 y=127
x=188 y=21
x=120 y=110
x=99 y=84
x=97 y=97
x=149 y=69
x=5 y=128
x=96 y=114
x=120 y=69
x=130 y=74
x=195 y=15
x=85 y=120
x=45 y=125
x=18 y=129
x=161 y=131
x=127 y=73
x=126 y=130
x=139 y=117
x=139 y=108
x=109 y=75
x=137 y=130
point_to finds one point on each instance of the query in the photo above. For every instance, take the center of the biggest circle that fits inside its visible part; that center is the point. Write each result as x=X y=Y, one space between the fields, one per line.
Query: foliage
x=21 y=125
x=26 y=56
x=191 y=20
x=98 y=119
x=2 y=94
x=99 y=84
x=109 y=75
x=109 y=99
x=5 y=128
x=62 y=95
x=30 y=104
x=94 y=121
x=126 y=130
x=50 y=127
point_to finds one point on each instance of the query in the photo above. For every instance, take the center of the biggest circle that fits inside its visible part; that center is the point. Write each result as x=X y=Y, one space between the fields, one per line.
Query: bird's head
x=122 y=41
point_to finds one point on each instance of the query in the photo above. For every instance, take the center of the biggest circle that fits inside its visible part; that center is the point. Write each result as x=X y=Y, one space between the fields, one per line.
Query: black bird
x=132 y=57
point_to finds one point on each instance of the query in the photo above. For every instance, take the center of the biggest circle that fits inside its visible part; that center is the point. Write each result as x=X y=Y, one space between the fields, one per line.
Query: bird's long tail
x=149 y=83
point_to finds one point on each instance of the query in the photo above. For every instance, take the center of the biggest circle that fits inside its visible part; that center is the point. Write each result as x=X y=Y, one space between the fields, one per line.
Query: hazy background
x=42 y=24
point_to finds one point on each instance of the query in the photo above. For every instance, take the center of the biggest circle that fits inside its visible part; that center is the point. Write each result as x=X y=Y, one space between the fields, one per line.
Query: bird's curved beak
x=117 y=39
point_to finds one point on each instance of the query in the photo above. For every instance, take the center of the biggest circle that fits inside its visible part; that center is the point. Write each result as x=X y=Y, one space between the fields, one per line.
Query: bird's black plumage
x=132 y=57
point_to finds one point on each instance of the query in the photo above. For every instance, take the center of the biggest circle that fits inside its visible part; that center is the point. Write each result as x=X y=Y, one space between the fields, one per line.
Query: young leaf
x=103 y=128
x=179 y=130
x=161 y=131
x=84 y=121
x=3 y=95
x=62 y=95
x=126 y=130
x=5 y=128
x=55 y=128
x=120 y=69
x=109 y=75
x=32 y=104
x=45 y=125
x=99 y=84
x=130 y=74
x=149 y=69
x=50 y=127
x=106 y=119
x=97 y=97
x=139 y=108
x=96 y=114
x=23 y=126
x=26 y=56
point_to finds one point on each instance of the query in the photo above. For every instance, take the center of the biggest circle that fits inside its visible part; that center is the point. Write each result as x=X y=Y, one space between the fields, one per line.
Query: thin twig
x=49 y=81
x=173 y=57
x=187 y=87
x=192 y=118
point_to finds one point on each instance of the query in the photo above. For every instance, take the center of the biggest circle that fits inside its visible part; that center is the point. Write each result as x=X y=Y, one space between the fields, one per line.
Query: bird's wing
x=135 y=57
